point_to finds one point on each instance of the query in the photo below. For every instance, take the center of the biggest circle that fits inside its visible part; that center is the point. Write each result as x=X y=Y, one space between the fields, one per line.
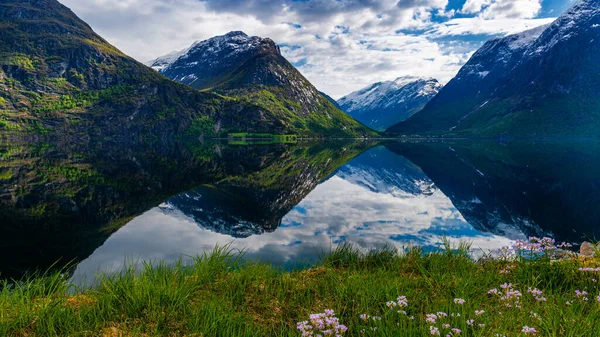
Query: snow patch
x=382 y=95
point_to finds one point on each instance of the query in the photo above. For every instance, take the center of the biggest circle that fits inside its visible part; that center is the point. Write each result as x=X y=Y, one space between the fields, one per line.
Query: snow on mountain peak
x=375 y=93
x=387 y=102
x=233 y=42
x=581 y=17
x=525 y=38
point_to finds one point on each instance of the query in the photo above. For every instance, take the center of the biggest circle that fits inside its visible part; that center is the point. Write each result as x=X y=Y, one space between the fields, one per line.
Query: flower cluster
x=449 y=331
x=508 y=295
x=507 y=269
x=431 y=318
x=441 y=323
x=581 y=295
x=323 y=324
x=537 y=294
x=590 y=269
x=531 y=248
x=459 y=301
x=401 y=302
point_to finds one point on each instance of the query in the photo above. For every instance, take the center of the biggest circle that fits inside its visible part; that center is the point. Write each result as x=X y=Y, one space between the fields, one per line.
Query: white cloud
x=481 y=26
x=343 y=45
x=513 y=9
x=496 y=9
x=475 y=6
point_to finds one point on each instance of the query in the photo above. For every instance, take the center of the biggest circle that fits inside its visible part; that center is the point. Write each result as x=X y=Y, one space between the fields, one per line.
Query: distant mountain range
x=384 y=104
x=252 y=69
x=542 y=82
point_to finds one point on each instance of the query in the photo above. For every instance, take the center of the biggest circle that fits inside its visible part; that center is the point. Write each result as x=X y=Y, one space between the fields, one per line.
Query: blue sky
x=339 y=45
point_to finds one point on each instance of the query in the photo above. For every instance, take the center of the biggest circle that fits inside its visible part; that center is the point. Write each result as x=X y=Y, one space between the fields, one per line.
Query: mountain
x=542 y=82
x=251 y=69
x=59 y=77
x=384 y=104
x=330 y=99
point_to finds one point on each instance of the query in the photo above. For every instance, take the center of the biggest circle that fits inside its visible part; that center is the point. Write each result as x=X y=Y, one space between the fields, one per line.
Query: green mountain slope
x=252 y=70
x=58 y=76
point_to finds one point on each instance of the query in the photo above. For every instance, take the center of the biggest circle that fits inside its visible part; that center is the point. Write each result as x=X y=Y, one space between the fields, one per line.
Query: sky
x=339 y=45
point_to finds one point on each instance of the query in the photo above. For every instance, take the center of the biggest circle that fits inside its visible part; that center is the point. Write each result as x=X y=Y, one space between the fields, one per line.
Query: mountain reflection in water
x=104 y=204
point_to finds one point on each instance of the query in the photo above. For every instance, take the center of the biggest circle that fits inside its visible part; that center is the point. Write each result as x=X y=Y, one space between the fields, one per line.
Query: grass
x=242 y=138
x=220 y=294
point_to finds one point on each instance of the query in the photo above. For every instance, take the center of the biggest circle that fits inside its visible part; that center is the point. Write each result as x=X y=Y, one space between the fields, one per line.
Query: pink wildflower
x=581 y=295
x=528 y=330
x=323 y=324
x=590 y=269
x=431 y=318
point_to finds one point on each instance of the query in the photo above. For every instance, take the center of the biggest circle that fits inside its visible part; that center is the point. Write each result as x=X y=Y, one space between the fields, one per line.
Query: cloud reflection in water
x=342 y=208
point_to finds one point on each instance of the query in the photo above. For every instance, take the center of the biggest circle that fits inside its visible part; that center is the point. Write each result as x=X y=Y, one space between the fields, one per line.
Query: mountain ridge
x=539 y=83
x=384 y=104
x=252 y=69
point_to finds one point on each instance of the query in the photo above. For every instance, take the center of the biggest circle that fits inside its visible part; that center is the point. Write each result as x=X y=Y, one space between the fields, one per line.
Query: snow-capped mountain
x=541 y=82
x=252 y=69
x=384 y=104
x=205 y=62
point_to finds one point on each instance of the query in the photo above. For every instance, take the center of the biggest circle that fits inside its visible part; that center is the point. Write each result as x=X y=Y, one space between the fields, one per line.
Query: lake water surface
x=98 y=205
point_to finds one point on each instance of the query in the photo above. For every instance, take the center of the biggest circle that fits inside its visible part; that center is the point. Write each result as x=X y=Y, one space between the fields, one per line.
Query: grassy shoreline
x=221 y=295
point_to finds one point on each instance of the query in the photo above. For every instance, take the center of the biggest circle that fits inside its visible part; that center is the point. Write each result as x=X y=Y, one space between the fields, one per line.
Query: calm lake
x=98 y=205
